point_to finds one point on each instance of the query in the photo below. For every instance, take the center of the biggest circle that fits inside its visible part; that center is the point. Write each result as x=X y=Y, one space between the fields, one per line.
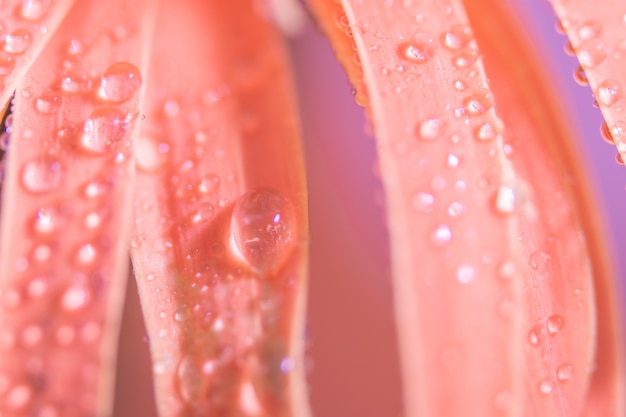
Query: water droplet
x=37 y=287
x=441 y=235
x=18 y=397
x=209 y=184
x=42 y=253
x=546 y=386
x=86 y=254
x=18 y=41
x=456 y=209
x=479 y=102
x=7 y=63
x=423 y=202
x=565 y=372
x=104 y=130
x=507 y=270
x=580 y=76
x=605 y=132
x=592 y=52
x=44 y=221
x=42 y=175
x=150 y=153
x=453 y=161
x=120 y=82
x=190 y=377
x=205 y=212
x=609 y=92
x=430 y=129
x=171 y=108
x=458 y=37
x=74 y=48
x=505 y=200
x=539 y=260
x=488 y=131
x=262 y=228
x=420 y=49
x=555 y=324
x=465 y=58
x=465 y=273
x=533 y=336
x=34 y=10
x=589 y=30
x=74 y=298
x=76 y=82
x=48 y=102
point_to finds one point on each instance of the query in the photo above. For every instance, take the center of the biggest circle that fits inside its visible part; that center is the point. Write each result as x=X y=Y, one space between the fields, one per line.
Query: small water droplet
x=74 y=298
x=44 y=221
x=533 y=336
x=505 y=200
x=539 y=260
x=150 y=153
x=465 y=58
x=453 y=161
x=592 y=52
x=34 y=10
x=580 y=76
x=507 y=270
x=41 y=175
x=48 y=102
x=430 y=129
x=74 y=48
x=441 y=235
x=104 y=130
x=555 y=324
x=37 y=287
x=262 y=229
x=458 y=37
x=423 y=202
x=204 y=213
x=7 y=63
x=420 y=49
x=18 y=41
x=120 y=82
x=456 y=209
x=546 y=386
x=589 y=30
x=86 y=254
x=171 y=108
x=465 y=273
x=209 y=184
x=609 y=92
x=76 y=82
x=479 y=102
x=565 y=372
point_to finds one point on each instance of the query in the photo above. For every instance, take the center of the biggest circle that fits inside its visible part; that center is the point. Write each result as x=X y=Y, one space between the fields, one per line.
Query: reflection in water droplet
x=479 y=102
x=104 y=130
x=18 y=41
x=120 y=82
x=555 y=324
x=41 y=175
x=262 y=229
x=420 y=49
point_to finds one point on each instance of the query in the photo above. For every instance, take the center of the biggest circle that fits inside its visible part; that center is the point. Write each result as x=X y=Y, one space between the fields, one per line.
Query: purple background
x=355 y=370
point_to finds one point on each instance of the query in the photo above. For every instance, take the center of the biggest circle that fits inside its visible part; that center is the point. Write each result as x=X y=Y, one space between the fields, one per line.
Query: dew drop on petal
x=609 y=92
x=204 y=213
x=592 y=52
x=458 y=37
x=565 y=372
x=465 y=58
x=149 y=153
x=479 y=102
x=74 y=298
x=7 y=63
x=441 y=235
x=104 y=130
x=263 y=229
x=430 y=129
x=539 y=260
x=505 y=200
x=120 y=82
x=546 y=386
x=41 y=175
x=18 y=397
x=18 y=41
x=48 y=102
x=420 y=49
x=555 y=324
x=456 y=209
x=34 y=10
x=465 y=273
x=589 y=30
x=423 y=202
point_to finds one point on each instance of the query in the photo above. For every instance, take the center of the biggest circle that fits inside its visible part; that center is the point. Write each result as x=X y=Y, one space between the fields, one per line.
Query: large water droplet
x=262 y=228
x=120 y=82
x=40 y=176
x=104 y=130
x=420 y=49
x=18 y=41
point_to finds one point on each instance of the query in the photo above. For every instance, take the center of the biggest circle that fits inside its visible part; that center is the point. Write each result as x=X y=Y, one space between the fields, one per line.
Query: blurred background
x=354 y=368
